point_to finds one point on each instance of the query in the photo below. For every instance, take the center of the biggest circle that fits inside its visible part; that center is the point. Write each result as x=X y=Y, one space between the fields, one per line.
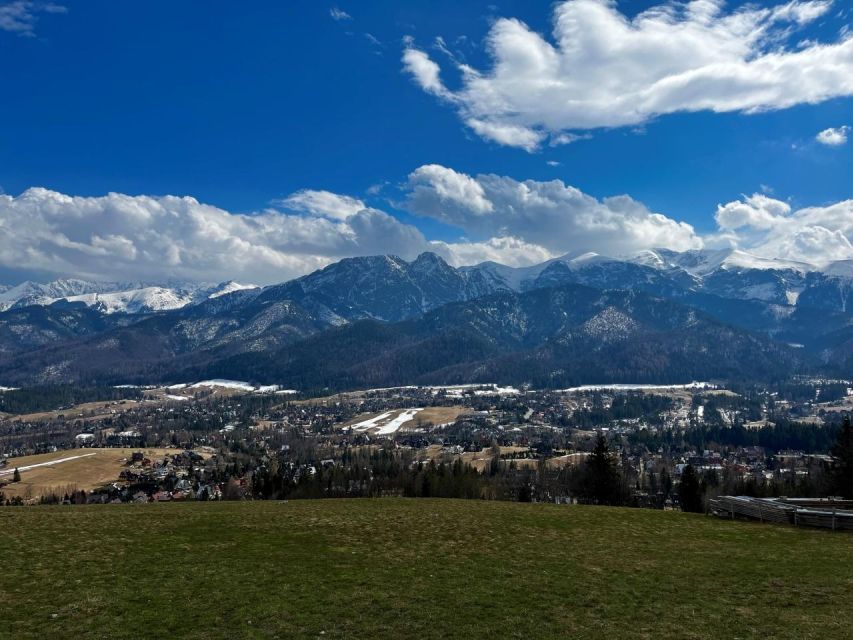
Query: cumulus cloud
x=157 y=238
x=21 y=16
x=602 y=69
x=322 y=203
x=510 y=251
x=554 y=216
x=46 y=234
x=834 y=136
x=770 y=228
x=756 y=211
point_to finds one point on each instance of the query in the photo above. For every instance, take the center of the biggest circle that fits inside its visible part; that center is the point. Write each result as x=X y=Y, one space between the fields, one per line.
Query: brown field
x=481 y=459
x=85 y=473
x=441 y=415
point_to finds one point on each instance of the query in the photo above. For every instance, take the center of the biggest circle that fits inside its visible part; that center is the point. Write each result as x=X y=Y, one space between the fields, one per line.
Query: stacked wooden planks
x=752 y=508
x=820 y=513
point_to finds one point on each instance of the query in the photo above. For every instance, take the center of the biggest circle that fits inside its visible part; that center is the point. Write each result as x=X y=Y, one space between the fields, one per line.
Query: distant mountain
x=114 y=297
x=382 y=288
x=35 y=327
x=32 y=293
x=548 y=337
x=383 y=307
x=727 y=273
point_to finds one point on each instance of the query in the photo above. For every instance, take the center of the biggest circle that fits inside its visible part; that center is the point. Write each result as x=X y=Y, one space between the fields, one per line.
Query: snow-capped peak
x=229 y=287
x=113 y=297
x=701 y=262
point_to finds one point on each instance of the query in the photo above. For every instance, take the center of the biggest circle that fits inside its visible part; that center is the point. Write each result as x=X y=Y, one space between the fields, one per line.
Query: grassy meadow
x=397 y=568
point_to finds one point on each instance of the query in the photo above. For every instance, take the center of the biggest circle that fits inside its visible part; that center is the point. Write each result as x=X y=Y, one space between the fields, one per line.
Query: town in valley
x=227 y=440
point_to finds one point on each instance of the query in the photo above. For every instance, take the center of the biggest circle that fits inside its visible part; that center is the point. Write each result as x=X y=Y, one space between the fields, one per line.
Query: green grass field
x=414 y=569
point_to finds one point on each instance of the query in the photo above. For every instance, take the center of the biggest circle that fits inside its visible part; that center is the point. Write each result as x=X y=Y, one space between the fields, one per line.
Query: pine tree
x=16 y=477
x=601 y=482
x=842 y=467
x=690 y=491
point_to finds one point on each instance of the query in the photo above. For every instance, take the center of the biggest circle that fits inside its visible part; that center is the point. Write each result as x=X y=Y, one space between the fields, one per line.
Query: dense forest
x=52 y=397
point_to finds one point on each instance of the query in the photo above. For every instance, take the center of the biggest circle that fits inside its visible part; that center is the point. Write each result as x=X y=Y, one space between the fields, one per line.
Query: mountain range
x=114 y=297
x=657 y=316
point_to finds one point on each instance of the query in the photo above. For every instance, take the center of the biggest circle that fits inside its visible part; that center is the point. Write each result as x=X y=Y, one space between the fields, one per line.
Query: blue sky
x=240 y=105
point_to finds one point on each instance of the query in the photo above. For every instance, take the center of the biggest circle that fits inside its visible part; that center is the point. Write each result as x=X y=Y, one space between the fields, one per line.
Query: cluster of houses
x=306 y=435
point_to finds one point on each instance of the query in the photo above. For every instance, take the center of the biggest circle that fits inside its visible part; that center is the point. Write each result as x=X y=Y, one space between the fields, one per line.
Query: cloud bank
x=602 y=69
x=552 y=215
x=46 y=234
x=157 y=238
x=770 y=228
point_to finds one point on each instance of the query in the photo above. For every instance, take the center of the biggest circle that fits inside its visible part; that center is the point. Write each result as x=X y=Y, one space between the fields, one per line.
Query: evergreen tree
x=690 y=491
x=16 y=477
x=842 y=467
x=601 y=482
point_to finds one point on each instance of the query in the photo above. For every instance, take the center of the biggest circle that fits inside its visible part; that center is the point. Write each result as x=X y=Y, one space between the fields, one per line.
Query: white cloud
x=21 y=16
x=770 y=228
x=157 y=238
x=46 y=234
x=425 y=71
x=339 y=14
x=505 y=250
x=322 y=203
x=439 y=192
x=555 y=217
x=757 y=211
x=834 y=136
x=510 y=135
x=602 y=69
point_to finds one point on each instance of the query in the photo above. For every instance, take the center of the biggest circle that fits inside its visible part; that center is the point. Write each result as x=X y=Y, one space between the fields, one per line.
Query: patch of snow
x=143 y=300
x=230 y=287
x=364 y=425
x=638 y=387
x=792 y=296
x=398 y=422
x=225 y=384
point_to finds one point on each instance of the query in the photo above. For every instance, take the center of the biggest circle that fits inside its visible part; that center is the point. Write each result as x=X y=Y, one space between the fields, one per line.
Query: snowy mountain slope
x=115 y=297
x=702 y=262
x=33 y=293
x=840 y=269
